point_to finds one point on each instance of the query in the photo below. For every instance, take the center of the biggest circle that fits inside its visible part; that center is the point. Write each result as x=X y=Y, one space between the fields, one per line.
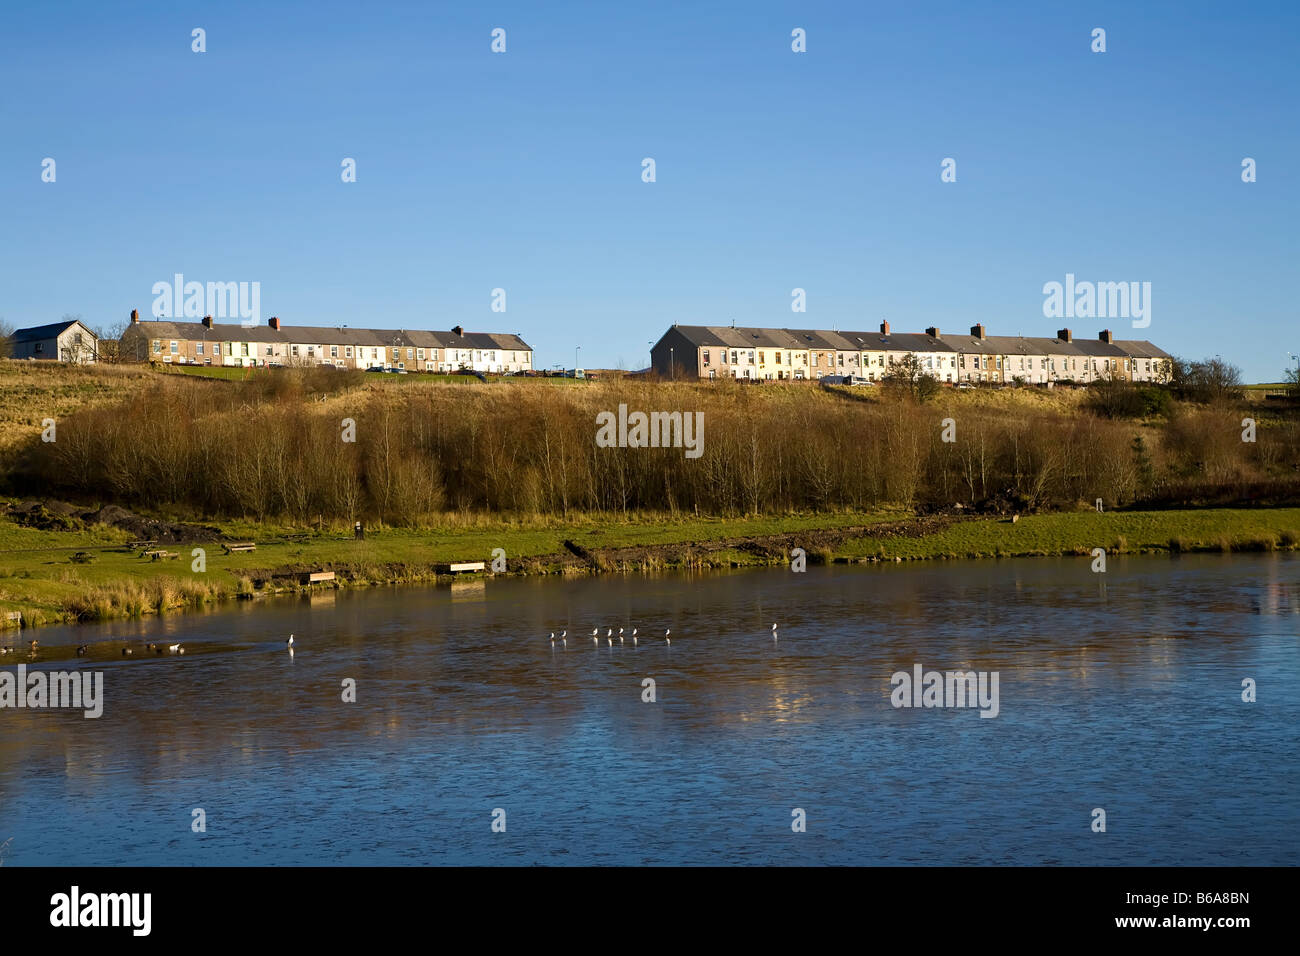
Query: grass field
x=39 y=580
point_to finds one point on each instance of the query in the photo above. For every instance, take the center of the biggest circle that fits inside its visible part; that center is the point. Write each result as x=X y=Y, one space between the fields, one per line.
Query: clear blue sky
x=775 y=170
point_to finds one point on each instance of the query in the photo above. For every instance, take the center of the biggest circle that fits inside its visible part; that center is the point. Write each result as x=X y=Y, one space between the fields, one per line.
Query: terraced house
x=711 y=352
x=275 y=344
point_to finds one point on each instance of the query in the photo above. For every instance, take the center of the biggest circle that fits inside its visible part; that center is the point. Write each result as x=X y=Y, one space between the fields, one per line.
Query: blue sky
x=775 y=170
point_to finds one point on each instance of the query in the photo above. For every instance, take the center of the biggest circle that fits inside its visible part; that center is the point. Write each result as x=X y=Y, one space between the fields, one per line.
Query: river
x=1120 y=691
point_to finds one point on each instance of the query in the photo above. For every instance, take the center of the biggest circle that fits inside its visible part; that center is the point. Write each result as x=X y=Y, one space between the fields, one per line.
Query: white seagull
x=666 y=633
x=289 y=642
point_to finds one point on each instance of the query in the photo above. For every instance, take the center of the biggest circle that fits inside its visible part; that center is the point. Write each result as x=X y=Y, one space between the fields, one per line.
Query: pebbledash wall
x=699 y=351
x=209 y=343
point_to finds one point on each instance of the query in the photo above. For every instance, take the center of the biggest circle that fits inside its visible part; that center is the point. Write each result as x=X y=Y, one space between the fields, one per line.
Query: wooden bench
x=314 y=577
x=152 y=553
x=239 y=546
x=141 y=544
x=461 y=567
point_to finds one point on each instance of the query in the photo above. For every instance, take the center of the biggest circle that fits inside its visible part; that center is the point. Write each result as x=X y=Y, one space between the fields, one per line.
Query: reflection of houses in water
x=1277 y=596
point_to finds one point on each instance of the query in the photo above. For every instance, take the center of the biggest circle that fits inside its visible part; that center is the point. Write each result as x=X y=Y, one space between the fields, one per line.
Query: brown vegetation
x=273 y=447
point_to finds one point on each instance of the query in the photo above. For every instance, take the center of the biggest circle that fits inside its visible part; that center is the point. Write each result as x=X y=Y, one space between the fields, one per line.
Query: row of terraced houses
x=712 y=352
x=273 y=344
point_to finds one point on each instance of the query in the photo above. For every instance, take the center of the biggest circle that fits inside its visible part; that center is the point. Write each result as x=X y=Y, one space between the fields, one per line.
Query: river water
x=1120 y=691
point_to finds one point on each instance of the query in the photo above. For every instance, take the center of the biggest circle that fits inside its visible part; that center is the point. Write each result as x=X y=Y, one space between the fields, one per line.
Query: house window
x=733 y=356
x=348 y=351
x=76 y=338
x=420 y=354
x=706 y=356
x=397 y=353
x=40 y=347
x=174 y=348
x=401 y=365
x=270 y=352
x=777 y=358
x=295 y=350
x=334 y=351
x=762 y=359
x=433 y=354
x=157 y=346
x=243 y=349
x=751 y=358
x=410 y=353
x=198 y=348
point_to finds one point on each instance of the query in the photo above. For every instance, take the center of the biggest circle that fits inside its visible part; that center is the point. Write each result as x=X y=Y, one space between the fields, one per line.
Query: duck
x=127 y=652
x=667 y=639
x=175 y=649
x=81 y=650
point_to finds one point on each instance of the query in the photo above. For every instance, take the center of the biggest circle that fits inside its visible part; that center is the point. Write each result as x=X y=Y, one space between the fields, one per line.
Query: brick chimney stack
x=1064 y=335
x=977 y=330
x=458 y=330
x=884 y=328
x=135 y=316
x=933 y=331
x=274 y=322
x=207 y=321
x=1106 y=337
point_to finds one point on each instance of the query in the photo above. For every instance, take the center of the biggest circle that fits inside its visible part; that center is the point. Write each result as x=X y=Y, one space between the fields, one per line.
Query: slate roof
x=39 y=333
x=328 y=335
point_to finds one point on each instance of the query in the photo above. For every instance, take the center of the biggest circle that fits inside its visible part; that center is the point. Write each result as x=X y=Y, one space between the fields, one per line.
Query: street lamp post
x=576 y=349
x=651 y=353
x=672 y=363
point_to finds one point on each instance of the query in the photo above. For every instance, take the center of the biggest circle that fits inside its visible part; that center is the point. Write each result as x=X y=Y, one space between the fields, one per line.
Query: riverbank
x=88 y=574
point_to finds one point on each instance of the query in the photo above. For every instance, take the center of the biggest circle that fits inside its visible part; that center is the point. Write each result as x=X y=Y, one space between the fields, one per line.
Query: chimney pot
x=274 y=322
x=1064 y=335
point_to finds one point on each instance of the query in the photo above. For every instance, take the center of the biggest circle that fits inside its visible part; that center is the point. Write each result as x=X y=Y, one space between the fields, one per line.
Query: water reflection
x=1125 y=695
